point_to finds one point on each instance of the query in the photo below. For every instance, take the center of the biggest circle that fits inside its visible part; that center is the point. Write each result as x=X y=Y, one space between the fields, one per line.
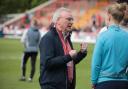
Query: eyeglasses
x=69 y=19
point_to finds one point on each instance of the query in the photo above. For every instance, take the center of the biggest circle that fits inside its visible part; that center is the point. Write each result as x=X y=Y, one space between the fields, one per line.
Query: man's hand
x=83 y=47
x=93 y=86
x=73 y=53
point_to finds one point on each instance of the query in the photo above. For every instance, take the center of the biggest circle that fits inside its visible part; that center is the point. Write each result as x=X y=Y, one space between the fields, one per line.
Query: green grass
x=11 y=52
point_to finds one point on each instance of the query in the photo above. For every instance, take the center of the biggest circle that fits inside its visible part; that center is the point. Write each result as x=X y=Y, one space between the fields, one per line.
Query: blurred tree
x=17 y=6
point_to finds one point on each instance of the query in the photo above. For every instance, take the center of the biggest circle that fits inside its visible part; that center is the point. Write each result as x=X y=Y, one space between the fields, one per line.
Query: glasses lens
x=69 y=19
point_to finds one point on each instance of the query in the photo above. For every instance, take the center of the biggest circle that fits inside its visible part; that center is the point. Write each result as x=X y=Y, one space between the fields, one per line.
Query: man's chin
x=69 y=29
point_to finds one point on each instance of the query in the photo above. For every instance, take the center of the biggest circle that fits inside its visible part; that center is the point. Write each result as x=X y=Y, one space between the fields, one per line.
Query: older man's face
x=65 y=21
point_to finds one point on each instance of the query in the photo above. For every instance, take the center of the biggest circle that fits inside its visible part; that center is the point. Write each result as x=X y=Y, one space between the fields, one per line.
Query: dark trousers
x=26 y=56
x=112 y=85
x=47 y=87
x=58 y=86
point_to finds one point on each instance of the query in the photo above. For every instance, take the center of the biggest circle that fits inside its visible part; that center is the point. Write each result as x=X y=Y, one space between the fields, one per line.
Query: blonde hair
x=57 y=13
x=117 y=11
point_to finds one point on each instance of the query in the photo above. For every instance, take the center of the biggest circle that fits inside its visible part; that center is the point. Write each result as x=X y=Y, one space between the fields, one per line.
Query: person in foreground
x=110 y=58
x=30 y=39
x=57 y=56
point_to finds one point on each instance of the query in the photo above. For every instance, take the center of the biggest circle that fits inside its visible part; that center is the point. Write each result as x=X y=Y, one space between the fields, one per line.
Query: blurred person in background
x=30 y=39
x=124 y=22
x=43 y=30
x=105 y=28
x=110 y=58
x=57 y=56
x=122 y=1
x=1 y=31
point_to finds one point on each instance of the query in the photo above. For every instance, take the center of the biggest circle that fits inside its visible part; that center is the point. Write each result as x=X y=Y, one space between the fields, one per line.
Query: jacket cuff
x=68 y=58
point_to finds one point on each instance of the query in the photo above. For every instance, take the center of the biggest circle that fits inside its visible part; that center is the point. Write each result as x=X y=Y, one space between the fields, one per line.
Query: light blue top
x=110 y=57
x=31 y=39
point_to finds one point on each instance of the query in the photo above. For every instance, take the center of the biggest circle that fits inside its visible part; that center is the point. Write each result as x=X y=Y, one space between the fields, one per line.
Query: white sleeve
x=23 y=38
x=103 y=29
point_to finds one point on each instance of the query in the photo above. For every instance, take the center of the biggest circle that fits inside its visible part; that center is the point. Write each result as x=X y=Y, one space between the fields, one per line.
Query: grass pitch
x=11 y=52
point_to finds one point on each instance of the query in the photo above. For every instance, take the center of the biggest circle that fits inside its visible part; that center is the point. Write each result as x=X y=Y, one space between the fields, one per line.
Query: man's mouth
x=69 y=25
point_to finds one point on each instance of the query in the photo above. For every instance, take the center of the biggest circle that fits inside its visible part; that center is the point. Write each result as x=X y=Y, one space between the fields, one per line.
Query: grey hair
x=57 y=13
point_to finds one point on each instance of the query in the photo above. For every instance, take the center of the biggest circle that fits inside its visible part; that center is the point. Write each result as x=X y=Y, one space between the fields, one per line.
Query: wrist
x=83 y=50
x=93 y=86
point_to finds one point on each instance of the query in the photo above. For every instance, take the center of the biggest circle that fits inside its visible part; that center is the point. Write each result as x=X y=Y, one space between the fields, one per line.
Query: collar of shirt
x=65 y=35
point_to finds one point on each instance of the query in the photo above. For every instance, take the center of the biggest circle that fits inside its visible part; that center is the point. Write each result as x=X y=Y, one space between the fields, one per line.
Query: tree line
x=17 y=6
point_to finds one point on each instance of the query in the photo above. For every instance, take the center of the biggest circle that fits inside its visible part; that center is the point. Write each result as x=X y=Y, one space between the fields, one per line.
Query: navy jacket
x=53 y=62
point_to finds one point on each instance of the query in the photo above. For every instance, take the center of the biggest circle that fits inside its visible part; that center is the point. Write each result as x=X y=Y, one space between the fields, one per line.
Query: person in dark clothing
x=122 y=1
x=57 y=56
x=30 y=39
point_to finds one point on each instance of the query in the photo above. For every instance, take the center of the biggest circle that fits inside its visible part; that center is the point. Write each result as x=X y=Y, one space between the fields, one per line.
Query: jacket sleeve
x=80 y=56
x=48 y=56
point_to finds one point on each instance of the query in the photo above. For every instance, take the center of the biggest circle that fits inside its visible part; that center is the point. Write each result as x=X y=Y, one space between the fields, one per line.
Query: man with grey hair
x=57 y=56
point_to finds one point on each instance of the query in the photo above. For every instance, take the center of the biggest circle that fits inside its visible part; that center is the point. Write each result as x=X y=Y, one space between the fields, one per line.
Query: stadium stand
x=82 y=11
